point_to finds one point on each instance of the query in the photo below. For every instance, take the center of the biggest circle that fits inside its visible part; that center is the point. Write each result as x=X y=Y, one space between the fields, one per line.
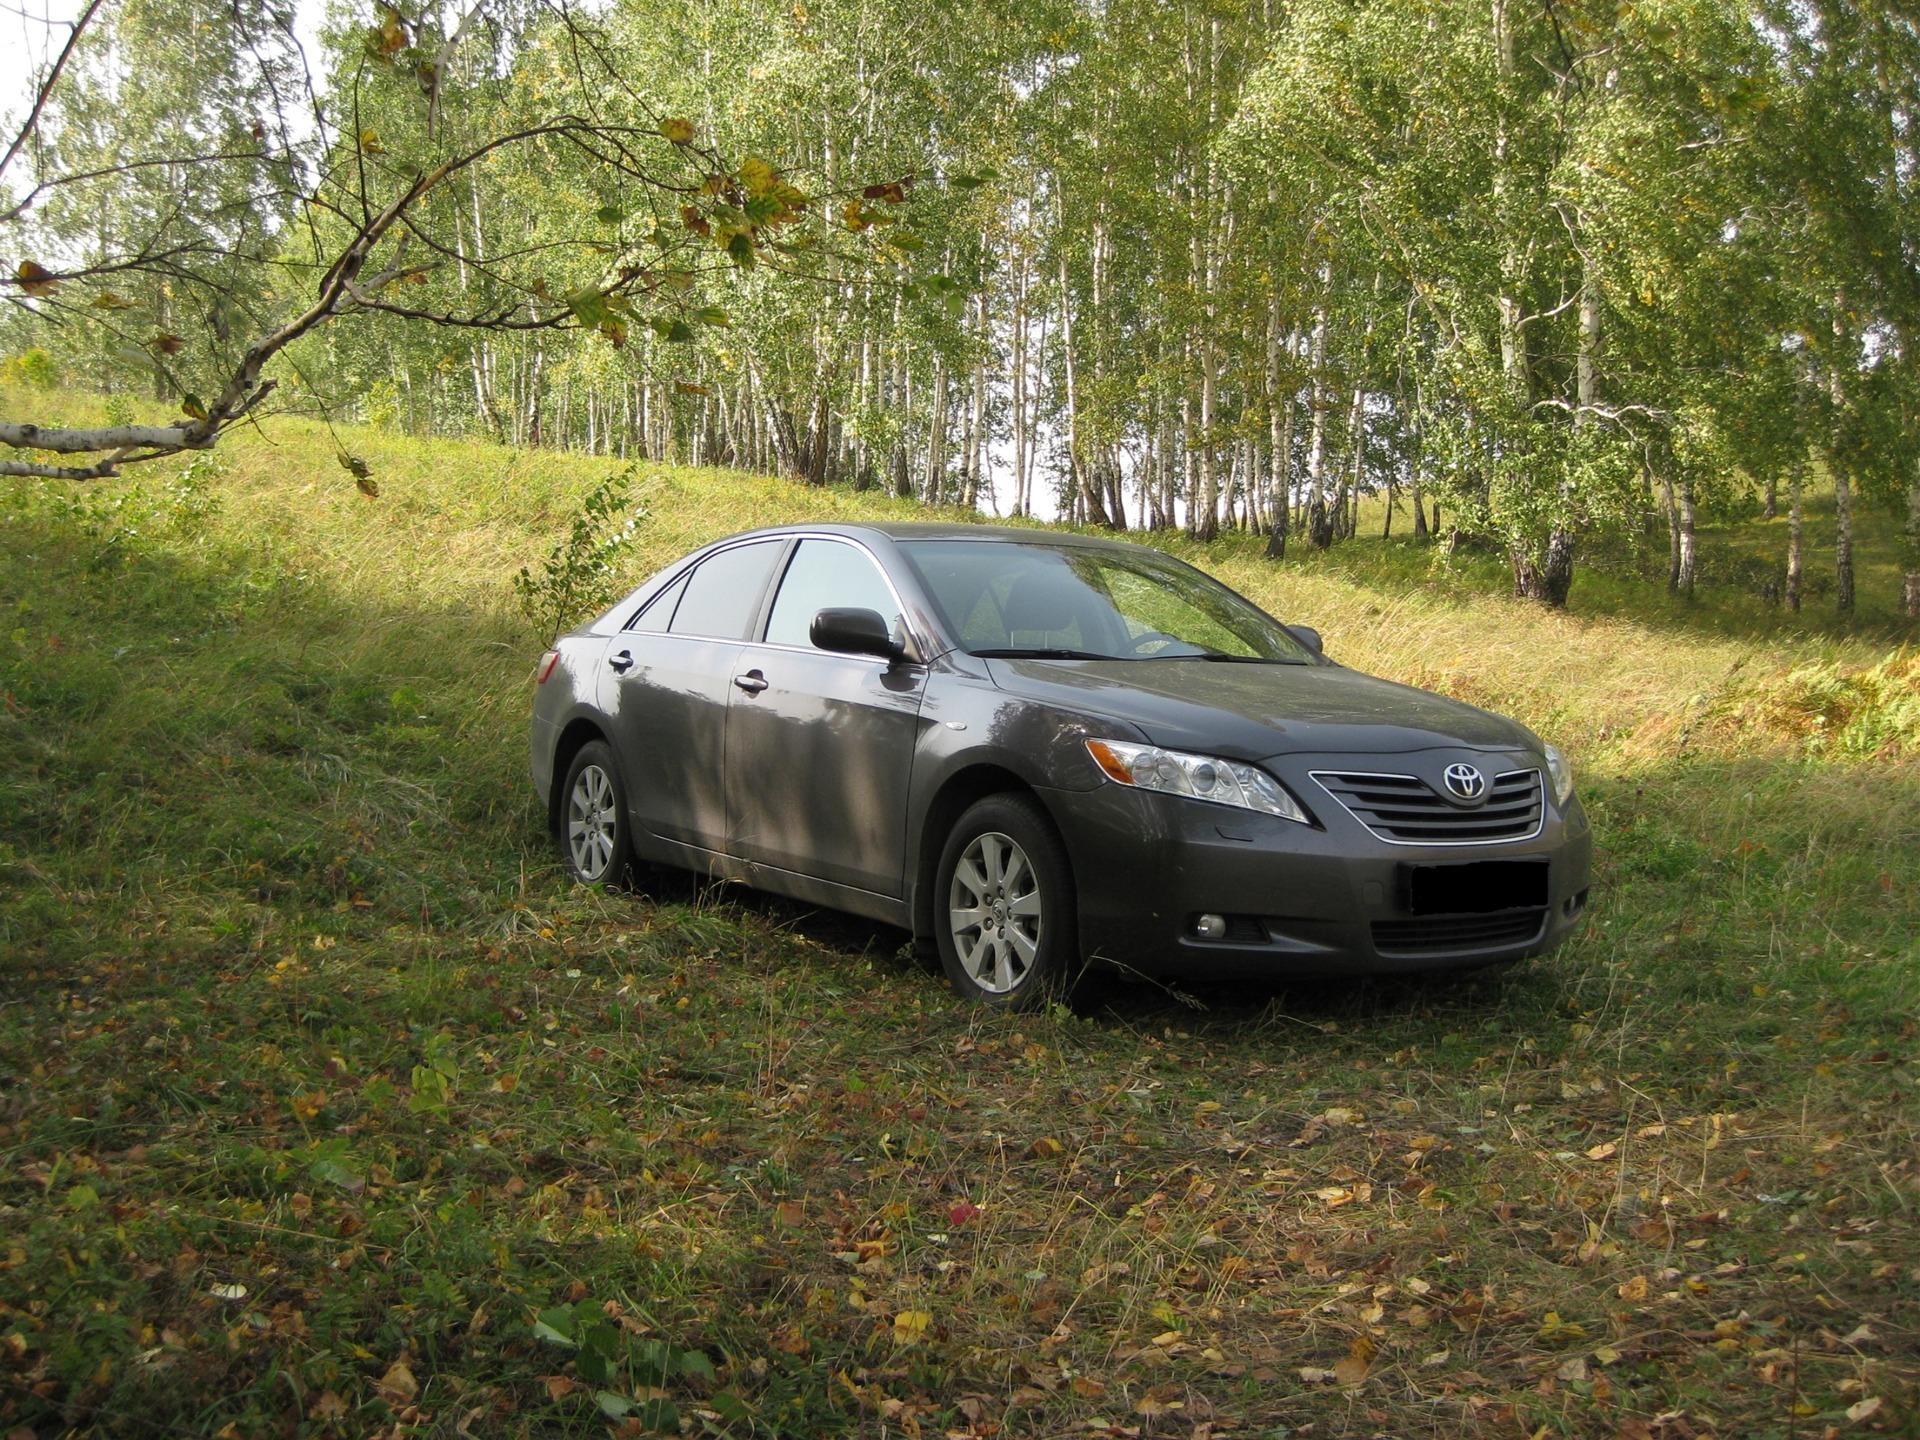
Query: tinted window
x=659 y=610
x=824 y=574
x=1120 y=604
x=723 y=594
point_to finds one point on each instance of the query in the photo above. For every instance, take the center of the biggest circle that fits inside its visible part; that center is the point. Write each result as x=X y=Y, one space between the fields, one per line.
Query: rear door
x=671 y=676
x=820 y=745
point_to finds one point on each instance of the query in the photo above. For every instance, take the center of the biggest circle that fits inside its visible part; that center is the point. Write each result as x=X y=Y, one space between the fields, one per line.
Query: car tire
x=1004 y=908
x=593 y=822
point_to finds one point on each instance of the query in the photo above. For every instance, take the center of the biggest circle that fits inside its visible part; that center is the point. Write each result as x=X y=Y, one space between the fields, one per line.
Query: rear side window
x=659 y=610
x=824 y=574
x=722 y=596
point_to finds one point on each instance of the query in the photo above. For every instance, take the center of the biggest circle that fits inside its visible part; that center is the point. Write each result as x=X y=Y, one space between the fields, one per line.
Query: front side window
x=1087 y=602
x=826 y=574
x=723 y=593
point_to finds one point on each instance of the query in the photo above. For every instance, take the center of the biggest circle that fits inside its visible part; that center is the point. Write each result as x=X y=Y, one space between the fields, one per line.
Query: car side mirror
x=1307 y=636
x=850 y=631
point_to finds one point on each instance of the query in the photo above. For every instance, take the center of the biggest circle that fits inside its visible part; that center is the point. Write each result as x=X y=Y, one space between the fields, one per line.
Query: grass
x=326 y=1108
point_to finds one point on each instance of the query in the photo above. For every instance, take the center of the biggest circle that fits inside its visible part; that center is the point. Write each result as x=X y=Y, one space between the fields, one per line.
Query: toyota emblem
x=1464 y=782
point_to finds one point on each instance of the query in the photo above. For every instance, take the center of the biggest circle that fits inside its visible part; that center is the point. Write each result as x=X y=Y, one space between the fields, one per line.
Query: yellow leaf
x=1350 y=1372
x=35 y=279
x=1158 y=1401
x=1634 y=1289
x=756 y=175
x=910 y=1326
x=398 y=1386
x=1045 y=1148
x=680 y=132
x=1603 y=1152
x=370 y=143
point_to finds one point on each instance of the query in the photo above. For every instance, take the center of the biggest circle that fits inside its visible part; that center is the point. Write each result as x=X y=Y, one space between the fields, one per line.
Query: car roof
x=948 y=530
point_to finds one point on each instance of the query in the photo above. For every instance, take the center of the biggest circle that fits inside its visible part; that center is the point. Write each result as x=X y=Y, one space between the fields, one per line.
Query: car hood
x=1253 y=712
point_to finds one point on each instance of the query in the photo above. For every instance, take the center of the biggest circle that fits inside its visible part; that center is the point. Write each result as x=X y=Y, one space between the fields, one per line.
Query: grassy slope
x=268 y=867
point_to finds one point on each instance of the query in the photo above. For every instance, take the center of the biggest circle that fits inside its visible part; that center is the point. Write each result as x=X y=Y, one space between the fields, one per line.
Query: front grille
x=1457 y=933
x=1405 y=810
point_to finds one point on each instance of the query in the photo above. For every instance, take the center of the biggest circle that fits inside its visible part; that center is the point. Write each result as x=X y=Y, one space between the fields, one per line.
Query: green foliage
x=581 y=572
x=629 y=1378
x=32 y=366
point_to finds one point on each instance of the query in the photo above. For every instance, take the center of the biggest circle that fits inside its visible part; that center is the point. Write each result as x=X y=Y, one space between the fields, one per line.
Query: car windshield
x=1083 y=602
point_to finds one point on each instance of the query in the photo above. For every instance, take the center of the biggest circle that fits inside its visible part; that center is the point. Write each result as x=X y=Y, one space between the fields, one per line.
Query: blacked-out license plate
x=1476 y=887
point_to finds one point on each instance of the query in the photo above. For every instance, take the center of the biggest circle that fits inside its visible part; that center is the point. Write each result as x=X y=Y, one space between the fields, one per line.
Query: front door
x=820 y=745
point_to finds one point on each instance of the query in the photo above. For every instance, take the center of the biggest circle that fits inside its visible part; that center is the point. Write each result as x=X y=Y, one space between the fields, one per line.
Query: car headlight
x=1204 y=777
x=1560 y=771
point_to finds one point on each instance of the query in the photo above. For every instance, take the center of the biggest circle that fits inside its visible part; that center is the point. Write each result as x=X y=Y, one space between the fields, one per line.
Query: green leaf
x=695 y=1362
x=595 y=1367
x=609 y=214
x=740 y=251
x=729 y=1406
x=614 y=1407
x=82 y=1197
x=652 y=1363
x=332 y=1172
x=588 y=305
x=555 y=1325
x=712 y=315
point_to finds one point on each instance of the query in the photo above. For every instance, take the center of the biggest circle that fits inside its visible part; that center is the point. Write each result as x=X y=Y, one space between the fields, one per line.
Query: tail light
x=547 y=662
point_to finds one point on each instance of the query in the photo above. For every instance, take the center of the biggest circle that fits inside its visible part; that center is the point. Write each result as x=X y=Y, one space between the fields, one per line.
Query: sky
x=32 y=32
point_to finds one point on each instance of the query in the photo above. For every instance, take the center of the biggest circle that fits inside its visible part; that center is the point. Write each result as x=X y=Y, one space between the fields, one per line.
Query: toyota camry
x=1041 y=751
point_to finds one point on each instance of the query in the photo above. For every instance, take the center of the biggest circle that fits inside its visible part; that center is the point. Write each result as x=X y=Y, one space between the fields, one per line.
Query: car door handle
x=622 y=662
x=753 y=682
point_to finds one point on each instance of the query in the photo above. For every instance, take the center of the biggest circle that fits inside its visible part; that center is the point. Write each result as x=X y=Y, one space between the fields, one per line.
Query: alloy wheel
x=994 y=912
x=593 y=823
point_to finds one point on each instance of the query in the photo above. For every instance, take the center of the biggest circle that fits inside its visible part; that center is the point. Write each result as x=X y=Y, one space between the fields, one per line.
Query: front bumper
x=1300 y=902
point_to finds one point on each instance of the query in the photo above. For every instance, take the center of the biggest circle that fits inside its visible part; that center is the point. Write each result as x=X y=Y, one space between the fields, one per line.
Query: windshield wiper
x=1046 y=653
x=1223 y=658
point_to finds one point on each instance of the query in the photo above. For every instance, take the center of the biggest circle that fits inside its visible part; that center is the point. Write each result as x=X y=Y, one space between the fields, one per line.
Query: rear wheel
x=1005 y=905
x=594 y=842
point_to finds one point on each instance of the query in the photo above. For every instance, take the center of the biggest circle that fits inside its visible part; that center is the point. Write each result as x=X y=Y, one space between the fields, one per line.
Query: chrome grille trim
x=1405 y=810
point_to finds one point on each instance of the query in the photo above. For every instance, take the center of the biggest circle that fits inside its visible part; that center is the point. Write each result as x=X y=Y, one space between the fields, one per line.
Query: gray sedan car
x=1040 y=751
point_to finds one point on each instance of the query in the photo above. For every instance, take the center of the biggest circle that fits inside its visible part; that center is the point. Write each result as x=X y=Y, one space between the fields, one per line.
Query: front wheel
x=594 y=841
x=1005 y=917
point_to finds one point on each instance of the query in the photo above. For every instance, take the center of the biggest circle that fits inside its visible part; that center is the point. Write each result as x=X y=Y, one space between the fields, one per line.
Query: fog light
x=1211 y=927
